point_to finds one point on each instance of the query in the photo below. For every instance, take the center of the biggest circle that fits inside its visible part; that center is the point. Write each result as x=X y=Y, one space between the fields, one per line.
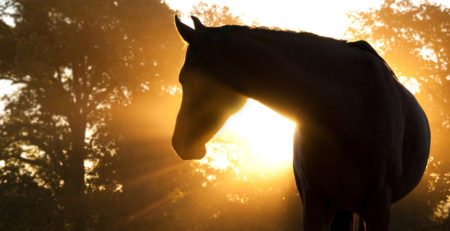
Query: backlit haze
x=89 y=98
x=106 y=72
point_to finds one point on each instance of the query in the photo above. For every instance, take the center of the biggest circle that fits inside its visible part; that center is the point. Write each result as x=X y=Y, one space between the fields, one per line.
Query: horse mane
x=269 y=31
x=363 y=45
x=360 y=44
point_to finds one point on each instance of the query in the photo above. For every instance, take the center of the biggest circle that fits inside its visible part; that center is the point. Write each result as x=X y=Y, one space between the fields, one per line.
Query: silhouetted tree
x=73 y=60
x=414 y=39
x=25 y=204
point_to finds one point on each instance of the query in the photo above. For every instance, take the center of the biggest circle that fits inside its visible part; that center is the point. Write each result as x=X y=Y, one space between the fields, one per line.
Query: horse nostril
x=190 y=153
x=188 y=150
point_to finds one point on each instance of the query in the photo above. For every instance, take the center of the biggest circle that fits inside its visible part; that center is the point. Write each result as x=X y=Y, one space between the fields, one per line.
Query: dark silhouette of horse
x=364 y=139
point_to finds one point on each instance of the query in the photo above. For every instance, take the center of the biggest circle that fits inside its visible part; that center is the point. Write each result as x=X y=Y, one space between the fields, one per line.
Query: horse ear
x=197 y=23
x=187 y=33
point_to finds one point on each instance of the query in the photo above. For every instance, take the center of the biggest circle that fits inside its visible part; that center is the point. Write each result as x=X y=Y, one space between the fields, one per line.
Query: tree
x=414 y=39
x=73 y=60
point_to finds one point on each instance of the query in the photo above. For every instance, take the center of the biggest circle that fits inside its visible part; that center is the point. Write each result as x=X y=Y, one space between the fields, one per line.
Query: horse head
x=207 y=103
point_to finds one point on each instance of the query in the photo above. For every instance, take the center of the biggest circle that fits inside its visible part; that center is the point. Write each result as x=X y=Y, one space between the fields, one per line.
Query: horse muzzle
x=189 y=152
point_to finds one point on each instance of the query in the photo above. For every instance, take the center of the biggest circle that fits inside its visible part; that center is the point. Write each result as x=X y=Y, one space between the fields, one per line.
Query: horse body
x=364 y=139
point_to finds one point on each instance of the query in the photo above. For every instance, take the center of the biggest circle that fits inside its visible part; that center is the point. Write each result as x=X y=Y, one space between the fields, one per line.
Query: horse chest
x=337 y=166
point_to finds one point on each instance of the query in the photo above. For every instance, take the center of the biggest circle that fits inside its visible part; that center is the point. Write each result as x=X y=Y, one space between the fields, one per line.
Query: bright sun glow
x=267 y=134
x=410 y=83
x=254 y=139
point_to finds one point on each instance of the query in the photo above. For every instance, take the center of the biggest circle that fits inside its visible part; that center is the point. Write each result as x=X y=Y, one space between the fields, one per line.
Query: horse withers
x=364 y=139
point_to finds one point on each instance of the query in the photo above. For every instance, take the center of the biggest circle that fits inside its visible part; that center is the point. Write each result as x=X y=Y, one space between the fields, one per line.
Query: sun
x=267 y=134
x=256 y=137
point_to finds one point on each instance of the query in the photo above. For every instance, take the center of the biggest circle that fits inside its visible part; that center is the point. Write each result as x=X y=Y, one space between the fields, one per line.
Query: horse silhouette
x=364 y=139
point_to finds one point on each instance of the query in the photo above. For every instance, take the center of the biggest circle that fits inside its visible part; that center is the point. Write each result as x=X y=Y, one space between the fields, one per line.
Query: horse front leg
x=342 y=221
x=347 y=221
x=317 y=215
x=377 y=211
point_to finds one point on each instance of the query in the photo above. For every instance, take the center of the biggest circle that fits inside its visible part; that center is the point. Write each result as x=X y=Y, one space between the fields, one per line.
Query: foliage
x=73 y=61
x=25 y=204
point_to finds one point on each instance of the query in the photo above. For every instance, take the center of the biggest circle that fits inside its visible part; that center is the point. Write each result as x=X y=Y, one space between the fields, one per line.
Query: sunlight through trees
x=89 y=97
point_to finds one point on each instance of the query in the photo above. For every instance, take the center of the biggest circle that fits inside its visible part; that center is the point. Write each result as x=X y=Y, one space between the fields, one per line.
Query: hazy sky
x=323 y=17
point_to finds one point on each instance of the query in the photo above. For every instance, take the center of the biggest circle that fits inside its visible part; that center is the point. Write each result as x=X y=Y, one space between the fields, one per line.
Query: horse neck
x=276 y=77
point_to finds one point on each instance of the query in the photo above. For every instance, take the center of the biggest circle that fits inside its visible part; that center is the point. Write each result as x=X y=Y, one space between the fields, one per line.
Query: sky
x=323 y=17
x=5 y=90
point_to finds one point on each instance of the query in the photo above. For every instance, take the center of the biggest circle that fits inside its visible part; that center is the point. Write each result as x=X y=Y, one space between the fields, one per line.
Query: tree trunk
x=74 y=185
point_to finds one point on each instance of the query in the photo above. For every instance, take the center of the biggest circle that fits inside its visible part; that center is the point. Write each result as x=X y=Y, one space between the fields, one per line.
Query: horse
x=364 y=140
